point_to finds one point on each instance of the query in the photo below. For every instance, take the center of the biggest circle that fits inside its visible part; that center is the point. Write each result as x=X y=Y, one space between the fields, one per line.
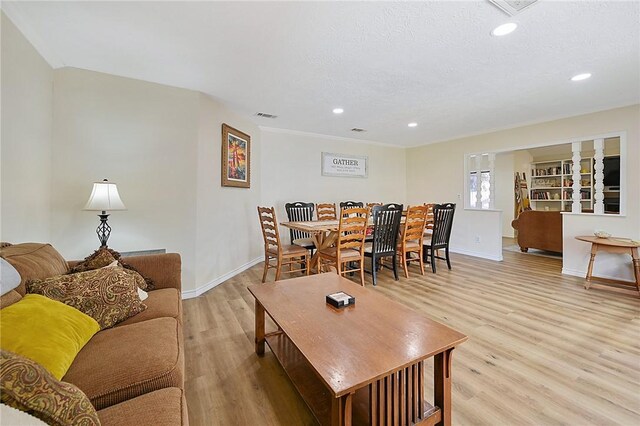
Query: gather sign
x=344 y=165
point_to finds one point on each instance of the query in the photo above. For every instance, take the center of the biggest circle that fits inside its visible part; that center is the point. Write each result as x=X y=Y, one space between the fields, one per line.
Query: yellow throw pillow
x=45 y=331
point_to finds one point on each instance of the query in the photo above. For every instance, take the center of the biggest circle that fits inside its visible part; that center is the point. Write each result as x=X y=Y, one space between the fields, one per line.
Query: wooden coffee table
x=362 y=364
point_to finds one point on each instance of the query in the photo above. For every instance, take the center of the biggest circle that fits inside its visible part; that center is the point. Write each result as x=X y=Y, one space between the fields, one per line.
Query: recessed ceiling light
x=412 y=124
x=580 y=77
x=504 y=29
x=338 y=110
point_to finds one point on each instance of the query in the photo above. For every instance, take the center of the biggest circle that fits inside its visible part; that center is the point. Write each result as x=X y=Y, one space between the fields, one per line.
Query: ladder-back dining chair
x=300 y=212
x=349 y=247
x=284 y=255
x=326 y=211
x=439 y=239
x=412 y=237
x=350 y=204
x=428 y=228
x=386 y=226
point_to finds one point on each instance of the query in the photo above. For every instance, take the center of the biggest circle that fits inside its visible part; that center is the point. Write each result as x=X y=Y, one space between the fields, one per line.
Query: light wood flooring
x=542 y=350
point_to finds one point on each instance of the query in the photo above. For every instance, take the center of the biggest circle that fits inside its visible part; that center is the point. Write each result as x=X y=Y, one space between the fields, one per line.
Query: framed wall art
x=236 y=158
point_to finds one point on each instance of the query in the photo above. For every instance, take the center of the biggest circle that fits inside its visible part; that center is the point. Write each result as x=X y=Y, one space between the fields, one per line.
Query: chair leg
x=266 y=268
x=278 y=267
x=306 y=263
x=373 y=268
x=405 y=264
x=446 y=252
x=362 y=271
x=421 y=262
x=433 y=261
x=395 y=267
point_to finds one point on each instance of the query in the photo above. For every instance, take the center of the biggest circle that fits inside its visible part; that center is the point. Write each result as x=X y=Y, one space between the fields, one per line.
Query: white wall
x=291 y=164
x=143 y=136
x=25 y=152
x=436 y=172
x=228 y=237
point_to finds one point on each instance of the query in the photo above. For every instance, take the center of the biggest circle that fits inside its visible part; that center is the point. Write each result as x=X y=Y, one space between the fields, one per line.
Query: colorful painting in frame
x=236 y=163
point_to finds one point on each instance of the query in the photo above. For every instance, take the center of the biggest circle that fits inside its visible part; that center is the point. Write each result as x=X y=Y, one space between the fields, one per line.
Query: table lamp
x=104 y=197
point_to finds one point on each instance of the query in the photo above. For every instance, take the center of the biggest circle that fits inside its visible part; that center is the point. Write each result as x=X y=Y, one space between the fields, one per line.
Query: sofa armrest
x=164 y=269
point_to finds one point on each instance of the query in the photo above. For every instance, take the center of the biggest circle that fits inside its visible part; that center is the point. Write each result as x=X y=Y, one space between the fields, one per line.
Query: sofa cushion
x=109 y=295
x=164 y=407
x=162 y=303
x=124 y=362
x=27 y=386
x=45 y=331
x=34 y=261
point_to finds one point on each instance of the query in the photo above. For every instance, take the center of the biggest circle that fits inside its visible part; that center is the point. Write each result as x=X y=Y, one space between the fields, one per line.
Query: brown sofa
x=540 y=230
x=133 y=373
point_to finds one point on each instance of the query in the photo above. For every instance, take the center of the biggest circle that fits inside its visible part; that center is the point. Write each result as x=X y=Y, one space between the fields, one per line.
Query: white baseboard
x=583 y=274
x=188 y=294
x=497 y=258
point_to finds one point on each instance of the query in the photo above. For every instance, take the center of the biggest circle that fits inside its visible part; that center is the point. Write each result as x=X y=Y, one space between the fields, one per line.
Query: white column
x=492 y=188
x=478 y=203
x=576 y=206
x=598 y=196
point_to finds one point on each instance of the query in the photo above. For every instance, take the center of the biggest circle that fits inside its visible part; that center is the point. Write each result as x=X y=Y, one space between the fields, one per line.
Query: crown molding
x=323 y=136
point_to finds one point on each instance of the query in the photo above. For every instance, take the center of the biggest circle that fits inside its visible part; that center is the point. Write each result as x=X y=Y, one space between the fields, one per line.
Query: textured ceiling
x=386 y=64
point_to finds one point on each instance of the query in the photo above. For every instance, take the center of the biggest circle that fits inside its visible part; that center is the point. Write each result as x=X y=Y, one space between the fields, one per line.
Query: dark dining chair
x=386 y=227
x=351 y=204
x=300 y=212
x=439 y=239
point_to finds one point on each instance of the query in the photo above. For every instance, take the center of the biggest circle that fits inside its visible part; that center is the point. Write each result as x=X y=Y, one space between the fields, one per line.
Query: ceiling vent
x=265 y=115
x=513 y=7
x=357 y=130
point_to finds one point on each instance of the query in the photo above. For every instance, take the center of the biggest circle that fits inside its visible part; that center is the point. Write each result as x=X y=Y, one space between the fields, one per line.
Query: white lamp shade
x=104 y=197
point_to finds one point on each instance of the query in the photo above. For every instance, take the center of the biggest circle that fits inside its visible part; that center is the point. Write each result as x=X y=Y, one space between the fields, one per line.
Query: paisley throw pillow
x=27 y=386
x=108 y=295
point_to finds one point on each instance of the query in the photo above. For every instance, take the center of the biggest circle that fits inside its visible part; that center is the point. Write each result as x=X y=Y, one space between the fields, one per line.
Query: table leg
x=442 y=385
x=636 y=266
x=260 y=317
x=322 y=241
x=341 y=410
x=594 y=250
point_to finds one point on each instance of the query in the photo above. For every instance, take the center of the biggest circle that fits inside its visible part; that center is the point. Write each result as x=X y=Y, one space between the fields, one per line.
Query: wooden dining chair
x=439 y=239
x=326 y=211
x=386 y=227
x=428 y=228
x=300 y=212
x=411 y=238
x=274 y=250
x=351 y=204
x=349 y=247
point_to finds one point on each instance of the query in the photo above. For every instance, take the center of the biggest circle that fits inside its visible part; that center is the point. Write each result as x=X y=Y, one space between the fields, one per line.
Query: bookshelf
x=551 y=183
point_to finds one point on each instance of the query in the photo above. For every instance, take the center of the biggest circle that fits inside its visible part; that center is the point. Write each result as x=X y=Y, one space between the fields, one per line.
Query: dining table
x=323 y=233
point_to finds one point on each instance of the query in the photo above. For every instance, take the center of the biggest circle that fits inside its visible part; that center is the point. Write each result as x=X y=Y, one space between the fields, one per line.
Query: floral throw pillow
x=29 y=387
x=105 y=256
x=108 y=295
